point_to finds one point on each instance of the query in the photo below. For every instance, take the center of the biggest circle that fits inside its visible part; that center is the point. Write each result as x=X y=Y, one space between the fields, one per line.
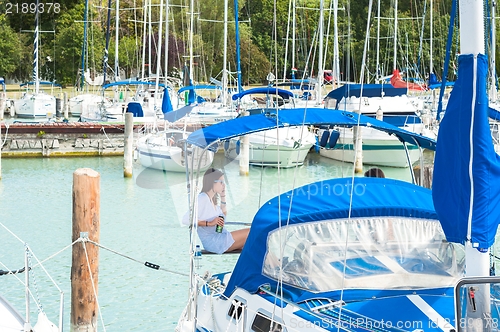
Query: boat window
x=236 y=309
x=262 y=323
x=363 y=253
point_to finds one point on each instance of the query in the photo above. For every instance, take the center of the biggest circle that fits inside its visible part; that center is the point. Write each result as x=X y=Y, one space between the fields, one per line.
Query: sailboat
x=375 y=254
x=37 y=103
x=284 y=147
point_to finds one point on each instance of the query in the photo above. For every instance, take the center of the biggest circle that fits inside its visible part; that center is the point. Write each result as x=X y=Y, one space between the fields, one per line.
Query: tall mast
x=191 y=32
x=237 y=32
x=394 y=66
x=158 y=56
x=145 y=16
x=84 y=45
x=106 y=49
x=293 y=32
x=378 y=74
x=336 y=68
x=493 y=87
x=35 y=53
x=150 y=35
x=431 y=65
x=117 y=23
x=167 y=4
x=320 y=53
x=224 y=61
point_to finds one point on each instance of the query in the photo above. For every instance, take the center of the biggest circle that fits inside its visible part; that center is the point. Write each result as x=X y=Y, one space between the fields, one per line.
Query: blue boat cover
x=466 y=168
x=367 y=90
x=324 y=200
x=130 y=82
x=41 y=83
x=166 y=103
x=434 y=83
x=198 y=87
x=493 y=114
x=268 y=90
x=297 y=117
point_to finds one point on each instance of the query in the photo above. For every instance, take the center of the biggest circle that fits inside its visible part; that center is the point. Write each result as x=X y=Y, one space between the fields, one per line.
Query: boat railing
x=473 y=297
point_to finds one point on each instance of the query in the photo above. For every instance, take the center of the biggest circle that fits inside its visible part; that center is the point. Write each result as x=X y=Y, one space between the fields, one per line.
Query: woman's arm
x=223 y=203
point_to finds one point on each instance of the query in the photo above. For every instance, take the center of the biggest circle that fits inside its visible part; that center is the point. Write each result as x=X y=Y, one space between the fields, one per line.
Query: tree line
x=265 y=32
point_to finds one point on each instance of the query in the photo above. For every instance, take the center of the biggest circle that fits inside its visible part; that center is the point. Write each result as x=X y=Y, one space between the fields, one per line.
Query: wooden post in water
x=0 y=153
x=424 y=178
x=86 y=219
x=128 y=148
x=65 y=105
x=3 y=104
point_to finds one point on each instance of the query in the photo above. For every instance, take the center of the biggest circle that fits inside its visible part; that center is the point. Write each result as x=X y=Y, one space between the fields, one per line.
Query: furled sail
x=466 y=190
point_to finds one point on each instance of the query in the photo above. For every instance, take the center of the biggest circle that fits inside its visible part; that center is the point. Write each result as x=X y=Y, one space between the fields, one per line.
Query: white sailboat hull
x=33 y=105
x=378 y=149
x=162 y=152
x=265 y=150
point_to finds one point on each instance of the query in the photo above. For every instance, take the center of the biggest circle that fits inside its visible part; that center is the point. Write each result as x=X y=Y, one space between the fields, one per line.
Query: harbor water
x=139 y=222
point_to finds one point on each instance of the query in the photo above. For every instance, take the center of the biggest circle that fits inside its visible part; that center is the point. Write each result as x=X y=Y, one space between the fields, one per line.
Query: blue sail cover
x=268 y=90
x=324 y=200
x=366 y=90
x=298 y=117
x=466 y=168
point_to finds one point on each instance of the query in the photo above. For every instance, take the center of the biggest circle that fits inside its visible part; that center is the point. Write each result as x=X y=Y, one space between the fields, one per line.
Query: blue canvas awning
x=41 y=83
x=333 y=199
x=297 y=117
x=268 y=90
x=366 y=90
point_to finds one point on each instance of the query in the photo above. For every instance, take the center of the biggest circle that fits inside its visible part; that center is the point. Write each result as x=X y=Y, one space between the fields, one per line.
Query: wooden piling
x=86 y=219
x=424 y=178
x=3 y=104
x=128 y=145
x=65 y=105
x=0 y=152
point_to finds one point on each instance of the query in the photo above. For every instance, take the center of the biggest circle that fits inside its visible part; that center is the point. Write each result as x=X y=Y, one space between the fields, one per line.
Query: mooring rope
x=147 y=264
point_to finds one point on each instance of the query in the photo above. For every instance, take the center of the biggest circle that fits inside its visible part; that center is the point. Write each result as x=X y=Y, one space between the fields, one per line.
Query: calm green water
x=139 y=218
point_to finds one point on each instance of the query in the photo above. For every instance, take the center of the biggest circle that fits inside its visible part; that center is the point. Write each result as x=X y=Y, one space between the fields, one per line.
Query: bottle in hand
x=218 y=228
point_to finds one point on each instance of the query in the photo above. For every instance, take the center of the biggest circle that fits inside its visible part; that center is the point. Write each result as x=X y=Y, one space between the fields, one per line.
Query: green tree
x=10 y=49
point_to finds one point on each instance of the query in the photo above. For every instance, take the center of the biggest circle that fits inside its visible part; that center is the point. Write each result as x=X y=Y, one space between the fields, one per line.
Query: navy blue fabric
x=493 y=114
x=269 y=90
x=368 y=90
x=453 y=175
x=296 y=117
x=325 y=200
x=166 y=103
x=135 y=108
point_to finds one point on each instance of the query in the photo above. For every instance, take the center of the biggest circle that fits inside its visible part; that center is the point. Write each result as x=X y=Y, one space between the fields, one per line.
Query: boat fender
x=324 y=138
x=238 y=147
x=334 y=136
x=316 y=145
x=226 y=145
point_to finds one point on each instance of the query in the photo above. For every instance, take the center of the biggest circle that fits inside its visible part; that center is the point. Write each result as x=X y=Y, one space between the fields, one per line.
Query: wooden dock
x=62 y=139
